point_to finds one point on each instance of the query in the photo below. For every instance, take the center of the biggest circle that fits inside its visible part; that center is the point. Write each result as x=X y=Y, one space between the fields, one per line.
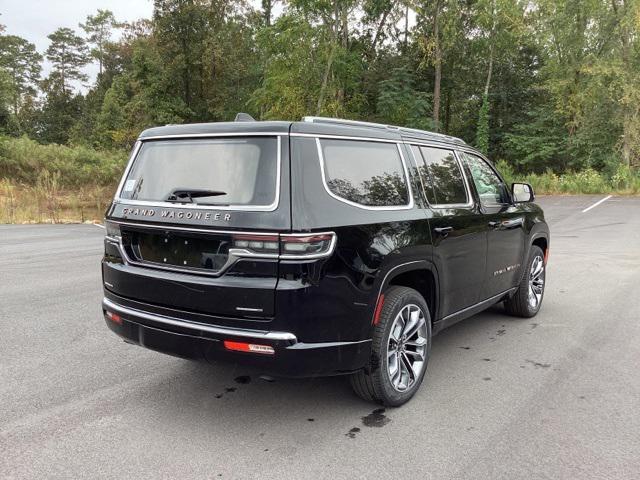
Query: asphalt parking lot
x=554 y=397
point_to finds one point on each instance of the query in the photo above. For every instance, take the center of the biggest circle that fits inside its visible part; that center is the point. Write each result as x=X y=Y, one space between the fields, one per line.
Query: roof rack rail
x=356 y=123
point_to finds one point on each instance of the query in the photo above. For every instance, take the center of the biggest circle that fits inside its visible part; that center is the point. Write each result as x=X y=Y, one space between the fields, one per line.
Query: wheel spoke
x=404 y=376
x=532 y=296
x=537 y=268
x=418 y=356
x=418 y=342
x=396 y=331
x=409 y=367
x=395 y=369
x=417 y=326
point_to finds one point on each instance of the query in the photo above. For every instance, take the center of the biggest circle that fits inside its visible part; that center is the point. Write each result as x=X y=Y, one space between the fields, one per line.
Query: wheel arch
x=541 y=240
x=419 y=275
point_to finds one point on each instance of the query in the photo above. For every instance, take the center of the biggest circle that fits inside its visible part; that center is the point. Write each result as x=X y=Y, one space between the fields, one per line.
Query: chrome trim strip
x=478 y=304
x=470 y=202
x=328 y=344
x=189 y=229
x=199 y=327
x=206 y=135
x=235 y=254
x=251 y=208
x=127 y=169
x=345 y=137
x=409 y=206
x=470 y=151
x=382 y=126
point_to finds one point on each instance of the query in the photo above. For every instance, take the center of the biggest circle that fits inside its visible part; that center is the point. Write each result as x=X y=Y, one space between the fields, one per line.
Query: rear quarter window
x=370 y=174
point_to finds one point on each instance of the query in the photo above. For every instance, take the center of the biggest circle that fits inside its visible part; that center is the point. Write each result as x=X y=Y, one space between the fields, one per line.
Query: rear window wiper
x=186 y=195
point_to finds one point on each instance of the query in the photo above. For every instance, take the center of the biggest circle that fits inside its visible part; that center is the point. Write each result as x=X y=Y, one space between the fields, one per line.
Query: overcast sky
x=35 y=19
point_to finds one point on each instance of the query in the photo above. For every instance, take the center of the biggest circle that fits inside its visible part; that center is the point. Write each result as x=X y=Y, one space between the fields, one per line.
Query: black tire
x=374 y=382
x=519 y=303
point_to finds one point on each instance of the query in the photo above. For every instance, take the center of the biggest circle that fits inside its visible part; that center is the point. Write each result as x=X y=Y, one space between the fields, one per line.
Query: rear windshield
x=229 y=171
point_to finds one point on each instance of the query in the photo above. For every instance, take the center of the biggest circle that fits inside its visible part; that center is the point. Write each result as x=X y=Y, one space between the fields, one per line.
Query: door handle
x=506 y=224
x=444 y=231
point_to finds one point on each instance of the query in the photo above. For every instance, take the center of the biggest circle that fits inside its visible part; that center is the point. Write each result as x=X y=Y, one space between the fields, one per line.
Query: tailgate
x=188 y=218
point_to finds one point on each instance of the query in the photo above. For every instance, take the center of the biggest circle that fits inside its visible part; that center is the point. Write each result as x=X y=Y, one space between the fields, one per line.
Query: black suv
x=318 y=247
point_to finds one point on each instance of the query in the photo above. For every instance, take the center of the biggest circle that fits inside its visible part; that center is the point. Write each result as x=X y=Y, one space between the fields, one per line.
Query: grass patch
x=55 y=183
x=623 y=182
x=47 y=202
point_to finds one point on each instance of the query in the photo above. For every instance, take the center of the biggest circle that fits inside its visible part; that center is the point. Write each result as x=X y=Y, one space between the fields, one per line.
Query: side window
x=443 y=173
x=425 y=178
x=366 y=173
x=491 y=190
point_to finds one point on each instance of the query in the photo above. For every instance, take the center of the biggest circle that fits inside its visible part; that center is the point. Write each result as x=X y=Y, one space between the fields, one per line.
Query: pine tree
x=68 y=54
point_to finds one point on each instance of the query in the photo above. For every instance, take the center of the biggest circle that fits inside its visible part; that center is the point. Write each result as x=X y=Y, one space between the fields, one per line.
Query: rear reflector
x=249 y=347
x=376 y=315
x=546 y=256
x=114 y=317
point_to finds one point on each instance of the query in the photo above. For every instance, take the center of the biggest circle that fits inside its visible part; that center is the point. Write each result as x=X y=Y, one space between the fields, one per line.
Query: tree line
x=540 y=84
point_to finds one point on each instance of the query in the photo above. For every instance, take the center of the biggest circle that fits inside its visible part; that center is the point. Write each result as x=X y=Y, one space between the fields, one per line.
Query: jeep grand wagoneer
x=319 y=247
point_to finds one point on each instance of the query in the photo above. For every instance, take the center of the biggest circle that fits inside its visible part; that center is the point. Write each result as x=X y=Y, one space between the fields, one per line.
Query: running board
x=470 y=311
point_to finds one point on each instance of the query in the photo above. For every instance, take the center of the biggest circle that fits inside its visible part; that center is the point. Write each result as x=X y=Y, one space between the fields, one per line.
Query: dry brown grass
x=47 y=202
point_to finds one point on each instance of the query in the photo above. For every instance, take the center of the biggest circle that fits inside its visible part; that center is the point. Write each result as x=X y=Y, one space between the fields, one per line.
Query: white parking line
x=98 y=225
x=597 y=203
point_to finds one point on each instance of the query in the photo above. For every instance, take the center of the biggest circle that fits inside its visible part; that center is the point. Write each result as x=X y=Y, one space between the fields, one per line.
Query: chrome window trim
x=127 y=169
x=200 y=327
x=250 y=208
x=345 y=137
x=216 y=134
x=408 y=206
x=415 y=164
x=470 y=201
x=494 y=170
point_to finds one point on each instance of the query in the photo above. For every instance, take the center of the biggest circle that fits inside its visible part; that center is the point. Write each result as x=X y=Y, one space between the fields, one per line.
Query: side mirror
x=522 y=192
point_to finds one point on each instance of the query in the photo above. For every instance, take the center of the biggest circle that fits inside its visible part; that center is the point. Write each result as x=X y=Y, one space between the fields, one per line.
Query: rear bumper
x=183 y=338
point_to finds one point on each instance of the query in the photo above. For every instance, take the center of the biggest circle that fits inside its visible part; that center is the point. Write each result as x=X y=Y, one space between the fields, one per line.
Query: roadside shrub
x=22 y=160
x=588 y=181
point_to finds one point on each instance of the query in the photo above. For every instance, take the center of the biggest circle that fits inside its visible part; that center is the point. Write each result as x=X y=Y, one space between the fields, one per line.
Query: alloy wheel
x=407 y=347
x=536 y=282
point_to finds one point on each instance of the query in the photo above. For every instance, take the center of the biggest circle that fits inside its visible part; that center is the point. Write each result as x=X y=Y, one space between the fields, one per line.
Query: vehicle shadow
x=196 y=392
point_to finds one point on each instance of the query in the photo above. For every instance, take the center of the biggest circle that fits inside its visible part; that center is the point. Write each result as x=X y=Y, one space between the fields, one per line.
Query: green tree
x=68 y=55
x=99 y=28
x=21 y=61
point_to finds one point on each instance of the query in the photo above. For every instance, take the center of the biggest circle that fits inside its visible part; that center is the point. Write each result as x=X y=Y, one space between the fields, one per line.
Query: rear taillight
x=112 y=230
x=288 y=246
x=301 y=246
x=257 y=244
